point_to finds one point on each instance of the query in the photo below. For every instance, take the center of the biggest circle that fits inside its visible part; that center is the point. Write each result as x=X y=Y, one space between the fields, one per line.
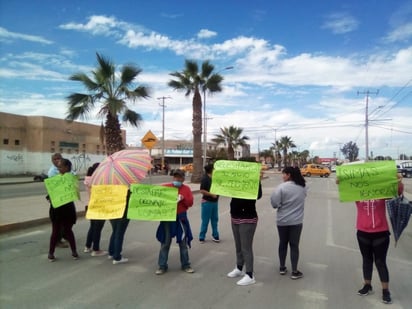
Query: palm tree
x=230 y=138
x=267 y=154
x=191 y=80
x=112 y=91
x=304 y=156
x=278 y=157
x=285 y=143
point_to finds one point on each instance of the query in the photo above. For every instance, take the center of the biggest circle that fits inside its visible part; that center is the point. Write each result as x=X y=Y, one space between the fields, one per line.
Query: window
x=52 y=150
x=52 y=143
x=5 y=141
x=16 y=142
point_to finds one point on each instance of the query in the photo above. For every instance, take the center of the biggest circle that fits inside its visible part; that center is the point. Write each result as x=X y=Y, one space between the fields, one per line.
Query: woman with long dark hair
x=289 y=200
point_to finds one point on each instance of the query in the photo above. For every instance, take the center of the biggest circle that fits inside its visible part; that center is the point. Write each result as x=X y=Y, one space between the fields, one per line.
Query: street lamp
x=205 y=119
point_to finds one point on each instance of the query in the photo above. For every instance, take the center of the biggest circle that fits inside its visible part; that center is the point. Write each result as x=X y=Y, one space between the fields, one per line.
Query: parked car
x=40 y=177
x=187 y=168
x=315 y=169
x=405 y=168
x=333 y=168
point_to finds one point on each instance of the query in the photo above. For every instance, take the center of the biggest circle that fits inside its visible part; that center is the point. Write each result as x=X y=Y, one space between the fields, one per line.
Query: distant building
x=27 y=143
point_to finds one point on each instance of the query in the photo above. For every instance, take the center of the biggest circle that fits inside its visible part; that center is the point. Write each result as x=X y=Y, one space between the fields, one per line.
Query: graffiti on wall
x=80 y=162
x=15 y=157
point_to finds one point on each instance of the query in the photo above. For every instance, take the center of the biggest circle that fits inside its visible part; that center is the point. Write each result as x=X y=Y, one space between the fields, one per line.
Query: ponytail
x=295 y=175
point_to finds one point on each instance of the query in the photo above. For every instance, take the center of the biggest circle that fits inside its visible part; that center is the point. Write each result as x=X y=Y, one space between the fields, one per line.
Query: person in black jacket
x=244 y=221
x=63 y=218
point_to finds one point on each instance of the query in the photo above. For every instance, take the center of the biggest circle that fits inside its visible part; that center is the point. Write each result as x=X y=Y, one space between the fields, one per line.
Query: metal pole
x=204 y=129
x=367 y=129
x=163 y=130
x=367 y=123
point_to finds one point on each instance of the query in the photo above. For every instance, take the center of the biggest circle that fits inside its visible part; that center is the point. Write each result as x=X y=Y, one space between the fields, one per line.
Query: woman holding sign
x=373 y=239
x=244 y=222
x=289 y=199
x=63 y=218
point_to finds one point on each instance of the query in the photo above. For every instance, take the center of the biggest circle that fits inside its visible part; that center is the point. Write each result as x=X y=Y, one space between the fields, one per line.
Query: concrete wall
x=34 y=163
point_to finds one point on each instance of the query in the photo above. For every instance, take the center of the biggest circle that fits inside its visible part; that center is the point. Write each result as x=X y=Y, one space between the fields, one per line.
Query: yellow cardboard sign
x=107 y=202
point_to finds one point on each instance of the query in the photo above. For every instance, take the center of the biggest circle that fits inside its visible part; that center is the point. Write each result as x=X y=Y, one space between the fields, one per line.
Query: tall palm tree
x=285 y=143
x=277 y=146
x=231 y=138
x=113 y=92
x=194 y=81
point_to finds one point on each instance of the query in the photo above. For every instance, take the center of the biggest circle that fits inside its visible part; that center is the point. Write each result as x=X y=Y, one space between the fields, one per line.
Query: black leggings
x=289 y=234
x=374 y=246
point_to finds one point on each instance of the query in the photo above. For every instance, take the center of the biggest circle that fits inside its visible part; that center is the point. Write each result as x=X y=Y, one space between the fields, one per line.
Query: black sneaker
x=386 y=297
x=366 y=290
x=283 y=270
x=296 y=275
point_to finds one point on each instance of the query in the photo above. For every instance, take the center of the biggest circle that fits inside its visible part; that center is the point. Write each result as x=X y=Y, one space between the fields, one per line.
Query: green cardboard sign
x=62 y=189
x=367 y=181
x=238 y=179
x=152 y=202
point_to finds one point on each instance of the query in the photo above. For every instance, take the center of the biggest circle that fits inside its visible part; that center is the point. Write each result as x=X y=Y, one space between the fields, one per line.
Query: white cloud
x=6 y=35
x=402 y=33
x=340 y=23
x=205 y=34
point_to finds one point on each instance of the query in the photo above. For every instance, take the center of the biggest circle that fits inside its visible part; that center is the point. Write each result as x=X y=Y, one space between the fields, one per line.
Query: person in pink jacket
x=373 y=239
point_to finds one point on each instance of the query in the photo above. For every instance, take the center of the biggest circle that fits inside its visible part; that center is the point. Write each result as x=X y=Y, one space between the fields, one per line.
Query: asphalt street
x=330 y=261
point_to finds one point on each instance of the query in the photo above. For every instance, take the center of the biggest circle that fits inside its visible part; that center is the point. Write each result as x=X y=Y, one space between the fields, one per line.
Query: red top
x=187 y=201
x=372 y=214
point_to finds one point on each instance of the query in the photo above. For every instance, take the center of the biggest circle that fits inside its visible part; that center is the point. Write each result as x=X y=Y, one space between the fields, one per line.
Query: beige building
x=27 y=143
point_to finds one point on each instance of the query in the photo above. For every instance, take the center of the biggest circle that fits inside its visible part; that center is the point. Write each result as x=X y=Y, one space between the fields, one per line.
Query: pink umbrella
x=123 y=167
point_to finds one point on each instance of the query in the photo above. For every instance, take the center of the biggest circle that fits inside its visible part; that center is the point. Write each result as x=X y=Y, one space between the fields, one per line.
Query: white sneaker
x=235 y=273
x=99 y=253
x=246 y=280
x=121 y=261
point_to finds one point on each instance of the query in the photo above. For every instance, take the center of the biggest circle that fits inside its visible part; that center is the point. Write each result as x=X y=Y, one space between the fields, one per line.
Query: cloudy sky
x=303 y=69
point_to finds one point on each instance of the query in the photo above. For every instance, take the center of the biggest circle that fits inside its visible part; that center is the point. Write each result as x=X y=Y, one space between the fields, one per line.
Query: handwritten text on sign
x=152 y=202
x=62 y=189
x=367 y=181
x=107 y=202
x=236 y=179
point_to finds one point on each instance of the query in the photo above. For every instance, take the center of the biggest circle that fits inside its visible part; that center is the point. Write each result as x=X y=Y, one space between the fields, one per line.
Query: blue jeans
x=119 y=227
x=94 y=234
x=165 y=247
x=209 y=213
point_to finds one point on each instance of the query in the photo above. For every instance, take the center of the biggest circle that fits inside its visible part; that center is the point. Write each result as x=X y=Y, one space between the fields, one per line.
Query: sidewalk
x=24 y=212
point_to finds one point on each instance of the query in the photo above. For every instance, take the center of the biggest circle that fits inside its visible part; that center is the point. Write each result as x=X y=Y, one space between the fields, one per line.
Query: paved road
x=330 y=262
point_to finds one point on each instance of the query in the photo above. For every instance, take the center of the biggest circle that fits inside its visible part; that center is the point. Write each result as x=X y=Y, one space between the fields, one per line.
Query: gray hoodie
x=289 y=199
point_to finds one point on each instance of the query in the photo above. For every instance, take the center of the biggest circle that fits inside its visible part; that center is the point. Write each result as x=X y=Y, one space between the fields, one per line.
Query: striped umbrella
x=123 y=167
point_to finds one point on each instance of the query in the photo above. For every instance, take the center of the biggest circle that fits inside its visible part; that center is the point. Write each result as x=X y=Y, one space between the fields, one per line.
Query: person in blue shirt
x=209 y=206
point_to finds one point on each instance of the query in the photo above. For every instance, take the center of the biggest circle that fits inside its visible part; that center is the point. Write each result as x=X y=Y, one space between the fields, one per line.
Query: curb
x=30 y=223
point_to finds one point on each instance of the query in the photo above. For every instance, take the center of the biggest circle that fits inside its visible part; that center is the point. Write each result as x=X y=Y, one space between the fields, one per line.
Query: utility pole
x=367 y=121
x=163 y=130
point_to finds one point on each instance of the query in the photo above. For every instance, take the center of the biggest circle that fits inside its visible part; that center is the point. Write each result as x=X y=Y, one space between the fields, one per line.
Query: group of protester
x=288 y=199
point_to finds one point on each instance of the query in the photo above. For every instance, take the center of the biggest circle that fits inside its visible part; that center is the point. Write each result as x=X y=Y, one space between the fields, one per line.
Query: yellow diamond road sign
x=149 y=140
